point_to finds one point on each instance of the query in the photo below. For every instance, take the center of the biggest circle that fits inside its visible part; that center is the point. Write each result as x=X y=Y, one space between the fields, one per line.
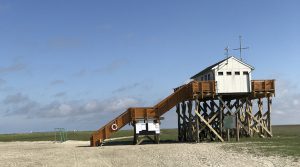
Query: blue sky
x=77 y=64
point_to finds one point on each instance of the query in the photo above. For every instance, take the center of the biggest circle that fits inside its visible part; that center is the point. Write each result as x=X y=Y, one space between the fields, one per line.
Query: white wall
x=233 y=83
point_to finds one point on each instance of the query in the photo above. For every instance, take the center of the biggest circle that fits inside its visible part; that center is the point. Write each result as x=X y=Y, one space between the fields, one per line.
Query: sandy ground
x=77 y=154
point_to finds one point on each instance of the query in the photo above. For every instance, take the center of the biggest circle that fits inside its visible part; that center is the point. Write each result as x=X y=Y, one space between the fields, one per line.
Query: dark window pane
x=228 y=73
x=220 y=73
x=237 y=73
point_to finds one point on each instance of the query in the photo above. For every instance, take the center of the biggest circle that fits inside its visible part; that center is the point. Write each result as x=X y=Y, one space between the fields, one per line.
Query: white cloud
x=81 y=73
x=286 y=103
x=91 y=105
x=12 y=68
x=112 y=67
x=128 y=87
x=15 y=99
x=65 y=43
x=57 y=82
x=20 y=104
x=60 y=94
x=2 y=82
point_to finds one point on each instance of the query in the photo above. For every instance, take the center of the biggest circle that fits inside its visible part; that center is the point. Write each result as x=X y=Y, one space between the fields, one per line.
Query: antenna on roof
x=241 y=48
x=227 y=52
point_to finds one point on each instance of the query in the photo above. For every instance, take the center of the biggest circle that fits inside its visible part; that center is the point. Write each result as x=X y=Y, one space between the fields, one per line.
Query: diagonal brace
x=208 y=125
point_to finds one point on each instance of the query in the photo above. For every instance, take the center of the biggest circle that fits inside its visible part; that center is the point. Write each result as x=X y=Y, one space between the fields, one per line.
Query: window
x=237 y=73
x=220 y=73
x=201 y=78
x=228 y=72
x=205 y=77
x=245 y=73
x=208 y=76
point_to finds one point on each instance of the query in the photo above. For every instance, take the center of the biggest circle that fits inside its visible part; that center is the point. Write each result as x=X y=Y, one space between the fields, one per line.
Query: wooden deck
x=263 y=87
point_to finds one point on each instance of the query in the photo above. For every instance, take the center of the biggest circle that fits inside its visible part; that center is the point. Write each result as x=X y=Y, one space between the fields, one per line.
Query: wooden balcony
x=263 y=87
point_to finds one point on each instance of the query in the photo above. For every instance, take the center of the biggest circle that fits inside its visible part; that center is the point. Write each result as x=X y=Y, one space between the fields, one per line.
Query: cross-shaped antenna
x=241 y=48
x=227 y=51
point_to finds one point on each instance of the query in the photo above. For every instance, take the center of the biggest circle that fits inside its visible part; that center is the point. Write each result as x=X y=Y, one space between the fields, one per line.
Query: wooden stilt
x=259 y=115
x=135 y=136
x=237 y=135
x=190 y=121
x=208 y=125
x=184 y=122
x=197 y=122
x=228 y=134
x=269 y=115
x=221 y=113
x=178 y=121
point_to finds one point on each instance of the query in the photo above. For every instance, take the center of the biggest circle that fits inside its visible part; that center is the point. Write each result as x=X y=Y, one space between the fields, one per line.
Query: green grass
x=166 y=134
x=44 y=136
x=286 y=140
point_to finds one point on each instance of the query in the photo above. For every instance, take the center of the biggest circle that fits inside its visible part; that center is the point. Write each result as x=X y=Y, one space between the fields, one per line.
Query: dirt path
x=77 y=154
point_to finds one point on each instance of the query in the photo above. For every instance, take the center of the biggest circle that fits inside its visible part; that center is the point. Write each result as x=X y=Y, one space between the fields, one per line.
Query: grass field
x=286 y=140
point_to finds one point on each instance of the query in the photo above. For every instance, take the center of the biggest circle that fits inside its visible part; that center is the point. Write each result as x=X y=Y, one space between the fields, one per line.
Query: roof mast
x=241 y=48
x=227 y=52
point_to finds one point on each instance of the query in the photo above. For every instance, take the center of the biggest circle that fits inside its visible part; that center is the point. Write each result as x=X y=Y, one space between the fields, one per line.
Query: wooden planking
x=184 y=93
x=263 y=86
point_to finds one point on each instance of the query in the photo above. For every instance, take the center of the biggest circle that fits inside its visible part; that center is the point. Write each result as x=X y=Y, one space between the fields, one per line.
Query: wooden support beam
x=269 y=114
x=227 y=106
x=260 y=119
x=184 y=122
x=197 y=122
x=208 y=125
x=157 y=138
x=243 y=126
x=178 y=121
x=259 y=113
x=210 y=120
x=221 y=115
x=190 y=121
x=262 y=126
x=228 y=134
x=237 y=135
x=224 y=104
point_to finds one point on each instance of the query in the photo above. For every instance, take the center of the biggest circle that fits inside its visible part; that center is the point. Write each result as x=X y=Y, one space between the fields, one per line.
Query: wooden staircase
x=183 y=93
